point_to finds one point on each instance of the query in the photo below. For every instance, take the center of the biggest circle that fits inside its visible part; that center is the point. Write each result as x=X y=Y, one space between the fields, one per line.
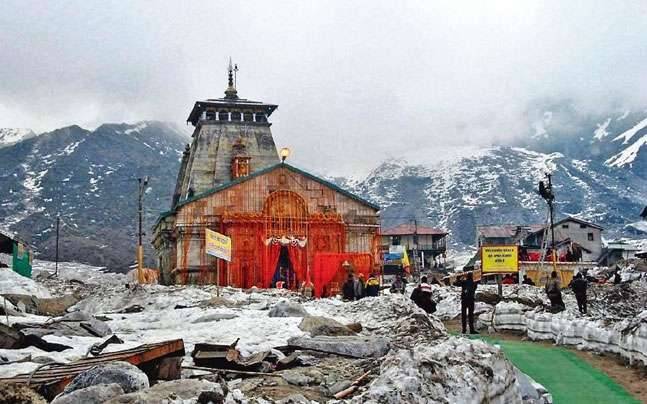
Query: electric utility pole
x=546 y=192
x=143 y=183
x=58 y=222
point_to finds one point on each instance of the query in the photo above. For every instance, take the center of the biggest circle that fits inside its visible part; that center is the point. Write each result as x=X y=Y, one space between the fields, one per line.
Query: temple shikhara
x=286 y=225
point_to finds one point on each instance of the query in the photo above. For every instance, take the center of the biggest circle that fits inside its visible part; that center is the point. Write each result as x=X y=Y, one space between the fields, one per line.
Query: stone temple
x=288 y=227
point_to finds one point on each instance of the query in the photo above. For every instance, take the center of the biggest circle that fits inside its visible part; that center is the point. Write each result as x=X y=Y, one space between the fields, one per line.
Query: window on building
x=223 y=115
x=235 y=116
x=260 y=117
x=248 y=117
x=395 y=240
x=564 y=226
x=582 y=226
x=211 y=115
x=591 y=237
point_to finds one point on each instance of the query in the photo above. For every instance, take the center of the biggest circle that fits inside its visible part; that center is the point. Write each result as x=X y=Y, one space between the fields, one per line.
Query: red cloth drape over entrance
x=297 y=255
x=270 y=260
x=328 y=269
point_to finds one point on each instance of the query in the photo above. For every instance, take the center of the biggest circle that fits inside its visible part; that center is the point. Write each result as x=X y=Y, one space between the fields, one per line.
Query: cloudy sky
x=356 y=82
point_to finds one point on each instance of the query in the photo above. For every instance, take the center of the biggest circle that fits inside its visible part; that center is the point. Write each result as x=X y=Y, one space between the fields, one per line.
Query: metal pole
x=139 y=232
x=218 y=277
x=552 y=226
x=58 y=222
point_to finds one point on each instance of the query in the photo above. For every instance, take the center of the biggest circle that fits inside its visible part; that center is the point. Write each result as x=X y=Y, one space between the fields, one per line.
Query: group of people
x=356 y=288
x=579 y=285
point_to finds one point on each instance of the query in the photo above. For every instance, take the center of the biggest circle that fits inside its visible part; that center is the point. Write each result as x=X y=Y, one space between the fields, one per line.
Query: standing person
x=554 y=292
x=348 y=290
x=399 y=285
x=359 y=287
x=617 y=278
x=468 y=289
x=579 y=286
x=372 y=286
x=422 y=296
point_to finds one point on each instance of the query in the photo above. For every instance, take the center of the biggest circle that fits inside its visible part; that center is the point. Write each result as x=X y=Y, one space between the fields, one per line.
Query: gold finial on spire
x=231 y=92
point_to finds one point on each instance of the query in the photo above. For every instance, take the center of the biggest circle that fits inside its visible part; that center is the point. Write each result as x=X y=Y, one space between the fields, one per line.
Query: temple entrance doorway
x=284 y=275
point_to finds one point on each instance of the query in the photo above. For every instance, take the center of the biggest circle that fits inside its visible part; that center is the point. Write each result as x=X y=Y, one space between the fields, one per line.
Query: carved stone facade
x=283 y=222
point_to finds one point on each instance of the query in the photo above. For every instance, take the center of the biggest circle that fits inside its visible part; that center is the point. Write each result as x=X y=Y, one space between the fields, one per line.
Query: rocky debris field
x=275 y=345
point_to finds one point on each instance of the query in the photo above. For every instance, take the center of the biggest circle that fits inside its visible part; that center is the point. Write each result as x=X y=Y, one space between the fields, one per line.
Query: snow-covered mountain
x=89 y=178
x=617 y=138
x=9 y=136
x=599 y=165
x=498 y=185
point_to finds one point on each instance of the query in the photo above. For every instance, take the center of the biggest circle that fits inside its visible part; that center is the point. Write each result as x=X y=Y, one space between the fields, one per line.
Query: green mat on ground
x=567 y=377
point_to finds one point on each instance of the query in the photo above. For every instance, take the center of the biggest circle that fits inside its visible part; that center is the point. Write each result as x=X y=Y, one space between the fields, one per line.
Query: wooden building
x=286 y=225
x=427 y=246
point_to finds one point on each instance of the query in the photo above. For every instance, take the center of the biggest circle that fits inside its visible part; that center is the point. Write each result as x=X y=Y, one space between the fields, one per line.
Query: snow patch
x=601 y=132
x=628 y=155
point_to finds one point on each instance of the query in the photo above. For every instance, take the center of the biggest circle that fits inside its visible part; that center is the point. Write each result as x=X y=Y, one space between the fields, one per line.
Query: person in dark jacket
x=359 y=287
x=468 y=289
x=348 y=290
x=422 y=297
x=579 y=286
x=617 y=278
x=372 y=286
x=554 y=291
x=528 y=281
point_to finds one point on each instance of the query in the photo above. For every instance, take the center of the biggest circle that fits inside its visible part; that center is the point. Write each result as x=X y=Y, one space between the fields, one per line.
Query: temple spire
x=231 y=92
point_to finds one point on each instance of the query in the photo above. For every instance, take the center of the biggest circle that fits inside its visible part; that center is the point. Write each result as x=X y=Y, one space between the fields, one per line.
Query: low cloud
x=356 y=81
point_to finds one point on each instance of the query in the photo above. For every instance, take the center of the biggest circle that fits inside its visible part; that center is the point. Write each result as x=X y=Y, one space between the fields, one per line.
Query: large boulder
x=127 y=376
x=45 y=306
x=353 y=346
x=287 y=309
x=172 y=391
x=77 y=323
x=317 y=325
x=19 y=394
x=96 y=394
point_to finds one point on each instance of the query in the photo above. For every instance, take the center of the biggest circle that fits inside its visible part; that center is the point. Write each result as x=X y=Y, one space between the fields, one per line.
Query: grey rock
x=287 y=309
x=294 y=399
x=76 y=316
x=528 y=391
x=317 y=325
x=96 y=394
x=213 y=397
x=339 y=386
x=175 y=390
x=128 y=376
x=15 y=393
x=75 y=324
x=297 y=378
x=353 y=346
x=214 y=317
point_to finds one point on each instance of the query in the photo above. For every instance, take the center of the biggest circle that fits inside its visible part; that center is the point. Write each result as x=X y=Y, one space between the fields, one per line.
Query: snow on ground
x=13 y=283
x=191 y=313
x=77 y=271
